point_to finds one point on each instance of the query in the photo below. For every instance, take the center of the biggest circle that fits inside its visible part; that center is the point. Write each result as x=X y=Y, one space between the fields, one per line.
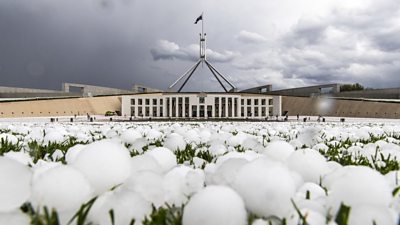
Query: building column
x=170 y=107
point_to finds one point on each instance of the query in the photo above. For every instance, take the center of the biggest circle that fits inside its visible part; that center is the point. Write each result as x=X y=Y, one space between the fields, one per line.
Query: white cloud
x=250 y=37
x=166 y=50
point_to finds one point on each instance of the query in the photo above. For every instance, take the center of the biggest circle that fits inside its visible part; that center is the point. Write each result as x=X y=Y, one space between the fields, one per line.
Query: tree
x=351 y=87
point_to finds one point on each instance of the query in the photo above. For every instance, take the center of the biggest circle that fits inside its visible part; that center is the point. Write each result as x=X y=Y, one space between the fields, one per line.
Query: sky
x=118 y=43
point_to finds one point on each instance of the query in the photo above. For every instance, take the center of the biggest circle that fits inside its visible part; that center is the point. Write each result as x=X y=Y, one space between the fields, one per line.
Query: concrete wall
x=60 y=107
x=388 y=93
x=307 y=91
x=25 y=90
x=91 y=90
x=339 y=108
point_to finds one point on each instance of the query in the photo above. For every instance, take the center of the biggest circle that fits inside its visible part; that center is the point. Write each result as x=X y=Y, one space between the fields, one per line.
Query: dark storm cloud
x=120 y=42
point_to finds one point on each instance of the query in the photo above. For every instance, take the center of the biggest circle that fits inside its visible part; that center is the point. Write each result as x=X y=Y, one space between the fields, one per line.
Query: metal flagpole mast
x=203 y=59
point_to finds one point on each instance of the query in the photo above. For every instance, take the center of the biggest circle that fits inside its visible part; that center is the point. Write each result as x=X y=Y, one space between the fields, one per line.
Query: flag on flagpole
x=199 y=18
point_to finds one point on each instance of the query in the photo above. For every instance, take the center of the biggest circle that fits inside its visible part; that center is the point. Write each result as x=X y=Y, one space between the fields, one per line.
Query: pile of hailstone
x=231 y=173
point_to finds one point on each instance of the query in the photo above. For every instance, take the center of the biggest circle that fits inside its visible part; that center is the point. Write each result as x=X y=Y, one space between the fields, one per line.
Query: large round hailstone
x=53 y=136
x=225 y=173
x=130 y=135
x=215 y=205
x=358 y=186
x=153 y=134
x=279 y=150
x=105 y=164
x=126 y=205
x=73 y=152
x=149 y=185
x=181 y=182
x=217 y=149
x=175 y=142
x=145 y=163
x=310 y=164
x=15 y=181
x=8 y=138
x=62 y=187
x=368 y=215
x=266 y=187
x=21 y=157
x=14 y=218
x=165 y=157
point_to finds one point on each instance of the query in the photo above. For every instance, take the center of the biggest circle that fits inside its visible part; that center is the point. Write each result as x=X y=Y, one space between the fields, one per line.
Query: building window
x=161 y=101
x=147 y=101
x=263 y=112
x=147 y=112
x=187 y=100
x=140 y=112
x=133 y=101
x=201 y=100
x=161 y=111
x=194 y=110
x=242 y=111
x=242 y=101
x=248 y=111
x=248 y=101
x=270 y=102
x=256 y=111
x=216 y=100
x=154 y=101
x=255 y=101
x=132 y=111
x=154 y=111
x=140 y=101
x=263 y=101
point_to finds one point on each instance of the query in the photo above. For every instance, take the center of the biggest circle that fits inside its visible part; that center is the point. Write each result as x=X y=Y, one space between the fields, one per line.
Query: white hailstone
x=310 y=164
x=53 y=137
x=312 y=217
x=309 y=135
x=181 y=182
x=165 y=157
x=205 y=135
x=370 y=215
x=15 y=181
x=149 y=185
x=310 y=190
x=199 y=162
x=61 y=187
x=279 y=150
x=126 y=205
x=8 y=138
x=14 y=218
x=153 y=134
x=236 y=140
x=225 y=173
x=251 y=143
x=357 y=186
x=192 y=136
x=266 y=187
x=21 y=157
x=145 y=163
x=57 y=155
x=321 y=147
x=175 y=142
x=295 y=143
x=73 y=152
x=393 y=177
x=104 y=163
x=129 y=136
x=217 y=149
x=260 y=222
x=139 y=144
x=215 y=205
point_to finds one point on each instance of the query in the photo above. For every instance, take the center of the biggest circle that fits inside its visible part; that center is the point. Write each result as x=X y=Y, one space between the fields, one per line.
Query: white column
x=170 y=107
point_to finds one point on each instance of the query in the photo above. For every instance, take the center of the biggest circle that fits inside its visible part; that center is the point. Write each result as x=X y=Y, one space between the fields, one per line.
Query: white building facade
x=201 y=105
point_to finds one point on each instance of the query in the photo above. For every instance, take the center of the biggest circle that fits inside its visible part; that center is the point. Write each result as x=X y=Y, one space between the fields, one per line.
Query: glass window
x=270 y=102
x=133 y=101
x=263 y=101
x=154 y=101
x=147 y=101
x=242 y=101
x=140 y=101
x=248 y=101
x=255 y=101
x=201 y=100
